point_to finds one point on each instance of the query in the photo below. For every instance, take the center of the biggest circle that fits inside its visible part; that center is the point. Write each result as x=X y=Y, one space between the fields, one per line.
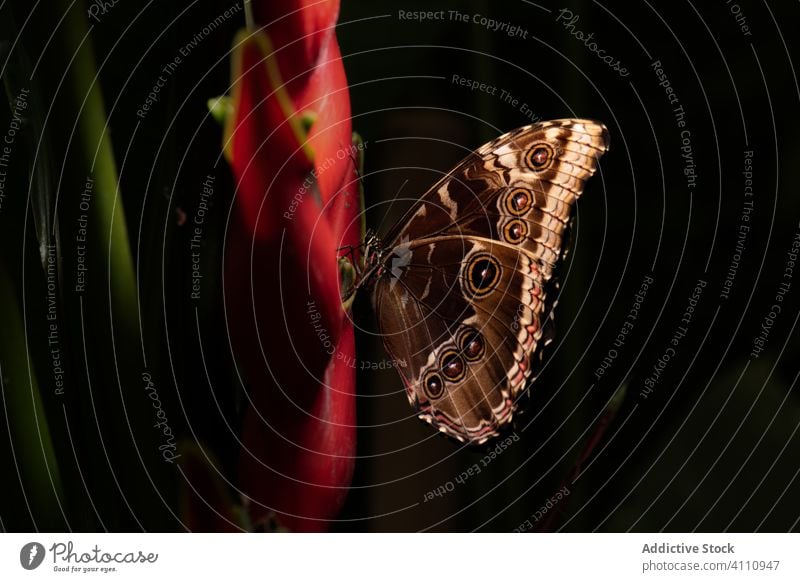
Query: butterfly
x=463 y=288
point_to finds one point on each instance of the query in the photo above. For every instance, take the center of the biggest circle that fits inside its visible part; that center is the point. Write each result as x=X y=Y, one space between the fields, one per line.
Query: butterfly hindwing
x=462 y=293
x=464 y=332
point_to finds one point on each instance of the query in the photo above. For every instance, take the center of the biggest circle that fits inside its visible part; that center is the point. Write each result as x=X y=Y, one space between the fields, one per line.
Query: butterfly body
x=463 y=287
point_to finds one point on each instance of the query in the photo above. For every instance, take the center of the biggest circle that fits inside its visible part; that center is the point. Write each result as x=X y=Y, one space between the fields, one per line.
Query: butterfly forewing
x=463 y=288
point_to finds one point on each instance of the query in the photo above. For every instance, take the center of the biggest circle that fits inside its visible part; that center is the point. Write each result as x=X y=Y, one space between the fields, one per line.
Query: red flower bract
x=288 y=141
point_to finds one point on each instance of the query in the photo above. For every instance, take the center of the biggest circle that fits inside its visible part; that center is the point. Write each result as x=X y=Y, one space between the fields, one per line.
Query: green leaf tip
x=220 y=108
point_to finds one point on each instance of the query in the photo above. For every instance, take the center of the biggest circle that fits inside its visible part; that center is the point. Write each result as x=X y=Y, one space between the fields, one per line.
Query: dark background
x=713 y=447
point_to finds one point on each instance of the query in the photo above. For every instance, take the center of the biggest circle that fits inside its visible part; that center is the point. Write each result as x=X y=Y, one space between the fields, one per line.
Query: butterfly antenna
x=388 y=210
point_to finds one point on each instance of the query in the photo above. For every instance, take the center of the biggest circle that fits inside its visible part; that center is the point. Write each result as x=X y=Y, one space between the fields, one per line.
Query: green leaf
x=23 y=93
x=220 y=108
x=31 y=442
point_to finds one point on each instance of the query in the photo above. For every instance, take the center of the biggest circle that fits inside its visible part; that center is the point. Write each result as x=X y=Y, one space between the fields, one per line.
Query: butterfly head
x=373 y=249
x=365 y=270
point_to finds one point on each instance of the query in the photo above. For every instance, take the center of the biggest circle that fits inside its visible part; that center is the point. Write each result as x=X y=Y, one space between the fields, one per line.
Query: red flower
x=288 y=141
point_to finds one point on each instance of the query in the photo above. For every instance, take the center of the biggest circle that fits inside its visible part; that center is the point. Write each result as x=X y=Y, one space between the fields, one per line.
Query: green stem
x=110 y=303
x=31 y=442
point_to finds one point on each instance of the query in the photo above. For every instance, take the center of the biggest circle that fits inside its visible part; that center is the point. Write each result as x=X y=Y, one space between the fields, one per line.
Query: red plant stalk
x=288 y=141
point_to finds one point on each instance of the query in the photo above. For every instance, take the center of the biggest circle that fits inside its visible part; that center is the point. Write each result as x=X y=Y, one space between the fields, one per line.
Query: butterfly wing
x=463 y=292
x=534 y=173
x=462 y=321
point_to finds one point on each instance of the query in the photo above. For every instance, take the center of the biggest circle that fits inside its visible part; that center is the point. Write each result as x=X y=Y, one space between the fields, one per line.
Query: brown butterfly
x=461 y=288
